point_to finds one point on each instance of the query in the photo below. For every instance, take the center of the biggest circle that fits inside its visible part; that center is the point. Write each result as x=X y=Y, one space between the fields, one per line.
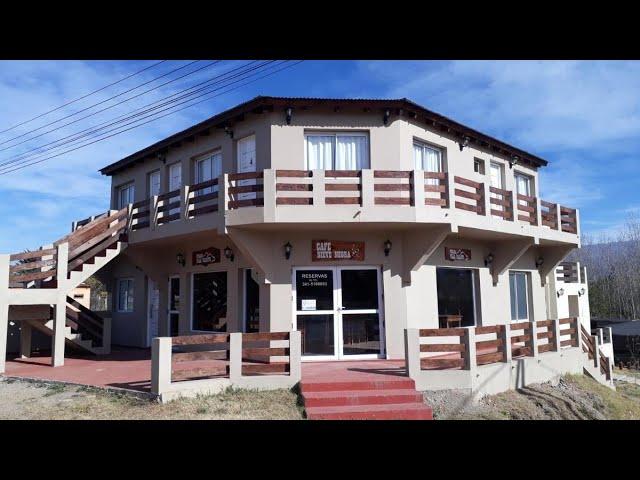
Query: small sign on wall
x=206 y=256
x=457 y=254
x=336 y=250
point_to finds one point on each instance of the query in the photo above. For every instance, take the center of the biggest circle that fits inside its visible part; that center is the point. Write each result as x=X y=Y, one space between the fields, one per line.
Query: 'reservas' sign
x=336 y=250
x=206 y=256
x=454 y=254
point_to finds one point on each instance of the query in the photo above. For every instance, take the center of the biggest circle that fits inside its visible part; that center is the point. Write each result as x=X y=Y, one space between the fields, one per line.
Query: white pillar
x=295 y=353
x=235 y=356
x=184 y=202
x=412 y=351
x=505 y=336
x=153 y=212
x=417 y=185
x=486 y=197
x=25 y=339
x=4 y=308
x=60 y=309
x=367 y=190
x=269 y=194
x=160 y=365
x=317 y=182
x=556 y=334
x=469 y=341
x=534 y=338
x=596 y=351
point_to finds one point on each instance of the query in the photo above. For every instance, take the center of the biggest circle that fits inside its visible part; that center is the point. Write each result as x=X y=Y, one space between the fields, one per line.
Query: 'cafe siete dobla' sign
x=322 y=250
x=206 y=256
x=454 y=254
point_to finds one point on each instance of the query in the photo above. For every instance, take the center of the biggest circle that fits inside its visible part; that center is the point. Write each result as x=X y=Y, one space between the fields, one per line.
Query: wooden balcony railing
x=527 y=209
x=503 y=201
x=569 y=220
x=392 y=187
x=567 y=272
x=168 y=207
x=294 y=187
x=435 y=189
x=474 y=192
x=244 y=190
x=549 y=214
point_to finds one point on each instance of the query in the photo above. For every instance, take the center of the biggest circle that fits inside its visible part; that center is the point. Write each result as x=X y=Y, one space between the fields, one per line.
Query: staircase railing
x=588 y=345
x=87 y=323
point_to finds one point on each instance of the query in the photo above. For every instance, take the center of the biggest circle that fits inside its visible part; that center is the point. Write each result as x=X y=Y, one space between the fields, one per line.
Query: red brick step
x=402 y=411
x=386 y=384
x=361 y=397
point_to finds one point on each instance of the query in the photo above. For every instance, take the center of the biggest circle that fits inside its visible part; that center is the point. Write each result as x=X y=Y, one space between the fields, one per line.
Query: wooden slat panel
x=441 y=363
x=488 y=329
x=140 y=225
x=568 y=331
x=28 y=277
x=266 y=351
x=545 y=323
x=265 y=368
x=391 y=174
x=467 y=182
x=293 y=173
x=202 y=210
x=489 y=343
x=169 y=195
x=77 y=250
x=520 y=326
x=545 y=335
x=34 y=254
x=567 y=320
x=520 y=338
x=392 y=187
x=246 y=189
x=526 y=198
x=200 y=339
x=469 y=195
x=21 y=267
x=342 y=173
x=435 y=188
x=566 y=343
x=441 y=332
x=342 y=200
x=245 y=176
x=499 y=191
x=501 y=213
x=135 y=216
x=193 y=356
x=549 y=347
x=217 y=371
x=549 y=205
x=520 y=351
x=294 y=201
x=342 y=187
x=442 y=347
x=435 y=201
x=202 y=185
x=486 y=358
x=141 y=203
x=436 y=175
x=252 y=202
x=549 y=223
x=294 y=187
x=168 y=218
x=168 y=206
x=466 y=206
x=203 y=198
x=391 y=201
x=497 y=201
x=567 y=211
x=260 y=336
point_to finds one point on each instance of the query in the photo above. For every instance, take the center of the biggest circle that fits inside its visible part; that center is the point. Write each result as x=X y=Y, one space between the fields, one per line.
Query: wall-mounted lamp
x=464 y=143
x=287 y=250
x=581 y=292
x=387 y=247
x=385 y=119
x=539 y=262
x=162 y=157
x=289 y=111
x=180 y=259
x=560 y=292
x=228 y=131
x=514 y=161
x=228 y=253
x=488 y=260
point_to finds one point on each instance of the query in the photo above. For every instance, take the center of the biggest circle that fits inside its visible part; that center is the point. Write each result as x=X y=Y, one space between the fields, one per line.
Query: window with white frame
x=523 y=186
x=336 y=151
x=427 y=158
x=154 y=183
x=519 y=291
x=126 y=194
x=208 y=167
x=125 y=295
x=478 y=166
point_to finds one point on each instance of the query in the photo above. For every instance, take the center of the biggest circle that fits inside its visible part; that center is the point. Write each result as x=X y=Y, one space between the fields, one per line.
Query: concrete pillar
x=269 y=195
x=556 y=334
x=160 y=364
x=153 y=212
x=235 y=356
x=412 y=351
x=234 y=309
x=534 y=338
x=505 y=336
x=295 y=353
x=469 y=342
x=223 y=193
x=596 y=351
x=558 y=217
x=367 y=186
x=4 y=308
x=486 y=198
x=538 y=213
x=185 y=195
x=25 y=339
x=449 y=181
x=58 y=339
x=417 y=186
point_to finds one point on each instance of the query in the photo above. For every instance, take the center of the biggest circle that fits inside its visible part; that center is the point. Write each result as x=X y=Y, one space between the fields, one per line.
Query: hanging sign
x=454 y=254
x=336 y=250
x=206 y=256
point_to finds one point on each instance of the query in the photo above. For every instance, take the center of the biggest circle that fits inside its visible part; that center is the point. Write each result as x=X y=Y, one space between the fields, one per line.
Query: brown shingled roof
x=401 y=106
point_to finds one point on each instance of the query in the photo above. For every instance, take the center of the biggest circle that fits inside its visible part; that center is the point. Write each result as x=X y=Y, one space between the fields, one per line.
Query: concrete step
x=361 y=397
x=391 y=383
x=402 y=411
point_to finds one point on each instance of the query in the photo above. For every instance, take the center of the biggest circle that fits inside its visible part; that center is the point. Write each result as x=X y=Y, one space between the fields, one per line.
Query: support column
x=4 y=308
x=534 y=339
x=367 y=186
x=505 y=336
x=596 y=352
x=412 y=351
x=160 y=365
x=295 y=353
x=60 y=309
x=469 y=341
x=556 y=334
x=235 y=357
x=25 y=339
x=317 y=182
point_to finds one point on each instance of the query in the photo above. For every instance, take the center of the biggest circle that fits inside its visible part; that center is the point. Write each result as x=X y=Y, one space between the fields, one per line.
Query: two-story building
x=348 y=220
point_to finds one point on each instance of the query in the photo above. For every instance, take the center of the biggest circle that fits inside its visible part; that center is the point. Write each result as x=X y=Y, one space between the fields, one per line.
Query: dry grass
x=22 y=400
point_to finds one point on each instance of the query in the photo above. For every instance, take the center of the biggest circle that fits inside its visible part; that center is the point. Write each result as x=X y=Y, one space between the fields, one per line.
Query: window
x=519 y=289
x=336 y=151
x=496 y=171
x=208 y=167
x=523 y=186
x=175 y=176
x=126 y=194
x=209 y=306
x=427 y=158
x=478 y=166
x=456 y=295
x=154 y=183
x=125 y=295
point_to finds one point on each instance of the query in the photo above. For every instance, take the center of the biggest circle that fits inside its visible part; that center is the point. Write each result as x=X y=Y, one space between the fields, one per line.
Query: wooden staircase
x=42 y=277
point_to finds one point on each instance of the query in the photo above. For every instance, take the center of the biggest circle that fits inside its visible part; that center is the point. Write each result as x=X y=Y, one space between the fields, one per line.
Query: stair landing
x=361 y=390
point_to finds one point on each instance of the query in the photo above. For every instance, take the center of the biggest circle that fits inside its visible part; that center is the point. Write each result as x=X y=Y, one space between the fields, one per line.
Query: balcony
x=350 y=196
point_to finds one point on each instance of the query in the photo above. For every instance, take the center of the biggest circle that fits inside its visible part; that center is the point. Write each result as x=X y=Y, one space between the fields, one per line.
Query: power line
x=82 y=97
x=19 y=167
x=141 y=110
x=96 y=104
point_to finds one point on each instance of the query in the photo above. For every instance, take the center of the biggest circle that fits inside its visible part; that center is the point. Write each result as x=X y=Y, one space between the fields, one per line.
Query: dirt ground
x=33 y=401
x=572 y=398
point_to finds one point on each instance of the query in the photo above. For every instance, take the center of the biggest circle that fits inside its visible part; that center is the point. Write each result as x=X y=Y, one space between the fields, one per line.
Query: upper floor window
x=154 y=183
x=478 y=166
x=175 y=176
x=523 y=186
x=126 y=194
x=336 y=151
x=208 y=167
x=427 y=158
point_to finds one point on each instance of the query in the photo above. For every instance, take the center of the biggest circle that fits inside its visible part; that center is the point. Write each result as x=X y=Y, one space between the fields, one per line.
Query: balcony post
x=184 y=201
x=367 y=190
x=486 y=198
x=417 y=186
x=269 y=194
x=534 y=338
x=317 y=182
x=596 y=351
x=577 y=223
x=223 y=193
x=4 y=308
x=538 y=212
x=469 y=341
x=556 y=334
x=153 y=212
x=558 y=217
x=505 y=336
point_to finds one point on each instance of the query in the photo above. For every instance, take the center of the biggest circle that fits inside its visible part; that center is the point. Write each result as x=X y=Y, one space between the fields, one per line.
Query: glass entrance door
x=338 y=311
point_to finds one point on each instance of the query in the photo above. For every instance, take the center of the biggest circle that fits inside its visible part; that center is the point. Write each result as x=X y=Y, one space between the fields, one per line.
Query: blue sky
x=584 y=117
